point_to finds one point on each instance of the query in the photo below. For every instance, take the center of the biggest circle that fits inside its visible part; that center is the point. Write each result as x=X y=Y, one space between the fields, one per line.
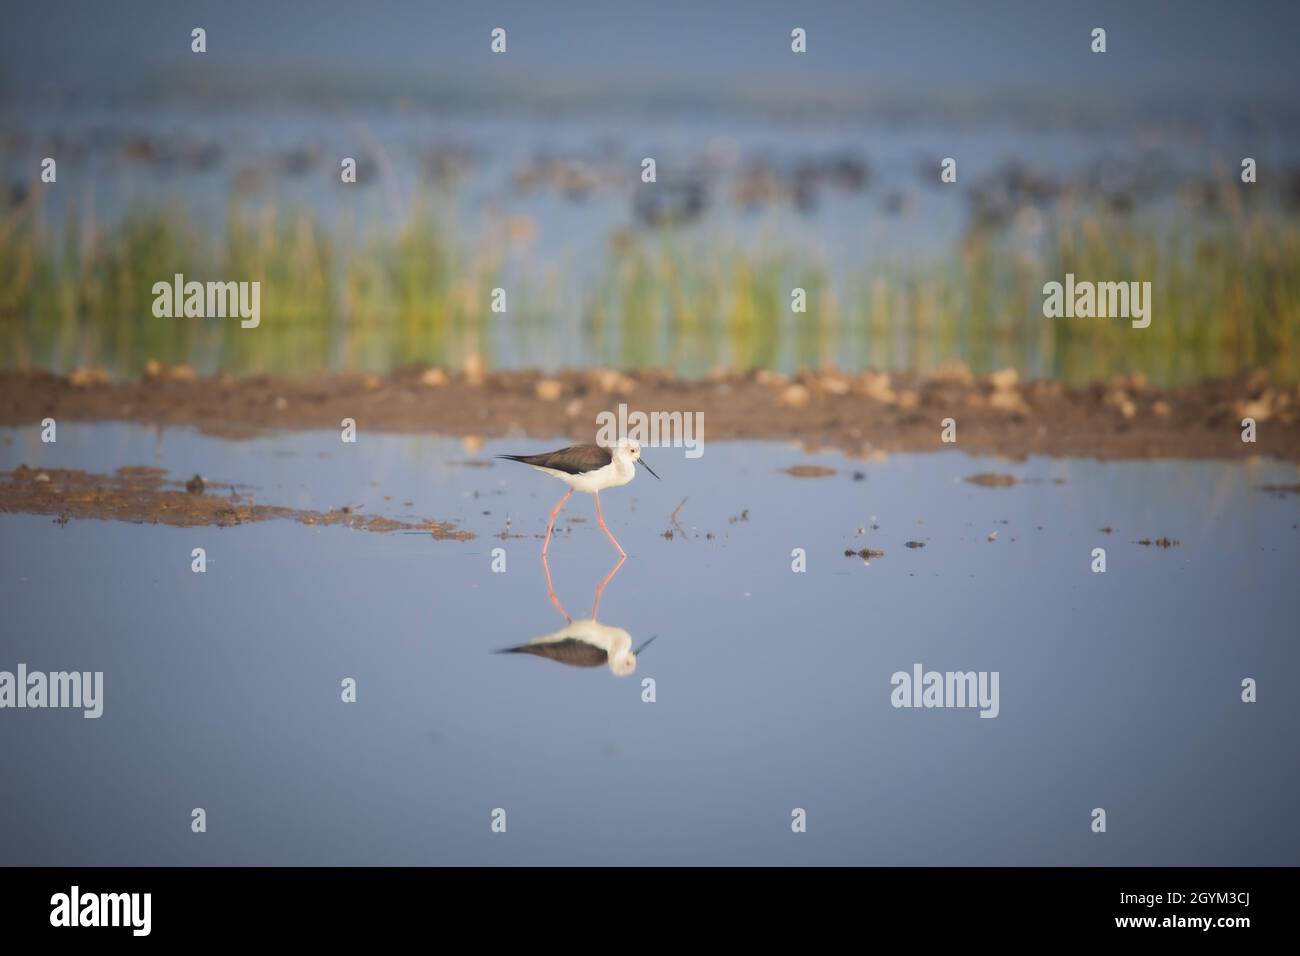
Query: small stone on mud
x=987 y=479
x=1003 y=379
x=549 y=389
x=85 y=377
x=796 y=396
x=866 y=554
x=809 y=471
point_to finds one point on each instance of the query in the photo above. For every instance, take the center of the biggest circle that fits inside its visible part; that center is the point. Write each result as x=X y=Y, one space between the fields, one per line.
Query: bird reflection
x=584 y=642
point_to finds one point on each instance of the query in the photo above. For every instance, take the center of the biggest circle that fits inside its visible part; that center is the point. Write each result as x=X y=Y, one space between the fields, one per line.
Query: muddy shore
x=862 y=415
x=142 y=494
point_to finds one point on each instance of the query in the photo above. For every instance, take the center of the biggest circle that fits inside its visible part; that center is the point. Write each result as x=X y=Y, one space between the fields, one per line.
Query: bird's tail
x=525 y=459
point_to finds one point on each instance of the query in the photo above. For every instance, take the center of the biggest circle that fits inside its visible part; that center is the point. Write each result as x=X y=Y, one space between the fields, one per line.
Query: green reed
x=1226 y=298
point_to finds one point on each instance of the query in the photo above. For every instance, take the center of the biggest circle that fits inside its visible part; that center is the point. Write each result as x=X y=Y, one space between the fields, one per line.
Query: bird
x=590 y=469
x=585 y=643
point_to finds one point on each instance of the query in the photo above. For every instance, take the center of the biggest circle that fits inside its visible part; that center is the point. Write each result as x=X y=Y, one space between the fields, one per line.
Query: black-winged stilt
x=587 y=468
x=584 y=642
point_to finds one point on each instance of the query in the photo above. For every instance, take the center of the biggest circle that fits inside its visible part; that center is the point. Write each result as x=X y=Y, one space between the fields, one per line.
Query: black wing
x=574 y=460
x=569 y=651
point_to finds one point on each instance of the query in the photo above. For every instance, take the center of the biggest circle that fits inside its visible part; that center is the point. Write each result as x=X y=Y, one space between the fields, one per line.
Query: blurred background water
x=774 y=170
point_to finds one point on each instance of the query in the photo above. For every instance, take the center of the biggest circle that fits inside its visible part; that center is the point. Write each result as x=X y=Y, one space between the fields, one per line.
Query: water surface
x=222 y=690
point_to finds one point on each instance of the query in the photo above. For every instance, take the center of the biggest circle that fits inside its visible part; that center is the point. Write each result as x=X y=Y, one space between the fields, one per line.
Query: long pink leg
x=551 y=525
x=600 y=588
x=550 y=589
x=601 y=518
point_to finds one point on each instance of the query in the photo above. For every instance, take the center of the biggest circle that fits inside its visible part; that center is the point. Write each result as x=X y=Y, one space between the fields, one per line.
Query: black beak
x=638 y=651
x=652 y=471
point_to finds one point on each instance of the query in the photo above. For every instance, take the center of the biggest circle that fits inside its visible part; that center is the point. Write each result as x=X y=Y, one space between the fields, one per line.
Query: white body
x=614 y=641
x=618 y=472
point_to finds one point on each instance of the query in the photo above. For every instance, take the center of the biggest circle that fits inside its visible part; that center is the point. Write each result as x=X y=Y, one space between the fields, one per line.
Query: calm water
x=222 y=690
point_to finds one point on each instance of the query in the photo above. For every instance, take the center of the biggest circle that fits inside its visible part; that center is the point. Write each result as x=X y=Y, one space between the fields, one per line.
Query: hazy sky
x=1158 y=47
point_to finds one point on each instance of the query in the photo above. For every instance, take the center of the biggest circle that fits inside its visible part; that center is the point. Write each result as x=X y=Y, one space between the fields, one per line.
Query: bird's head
x=630 y=450
x=623 y=662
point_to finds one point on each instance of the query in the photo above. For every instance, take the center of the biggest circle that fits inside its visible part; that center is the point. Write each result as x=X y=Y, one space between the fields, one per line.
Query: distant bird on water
x=588 y=468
